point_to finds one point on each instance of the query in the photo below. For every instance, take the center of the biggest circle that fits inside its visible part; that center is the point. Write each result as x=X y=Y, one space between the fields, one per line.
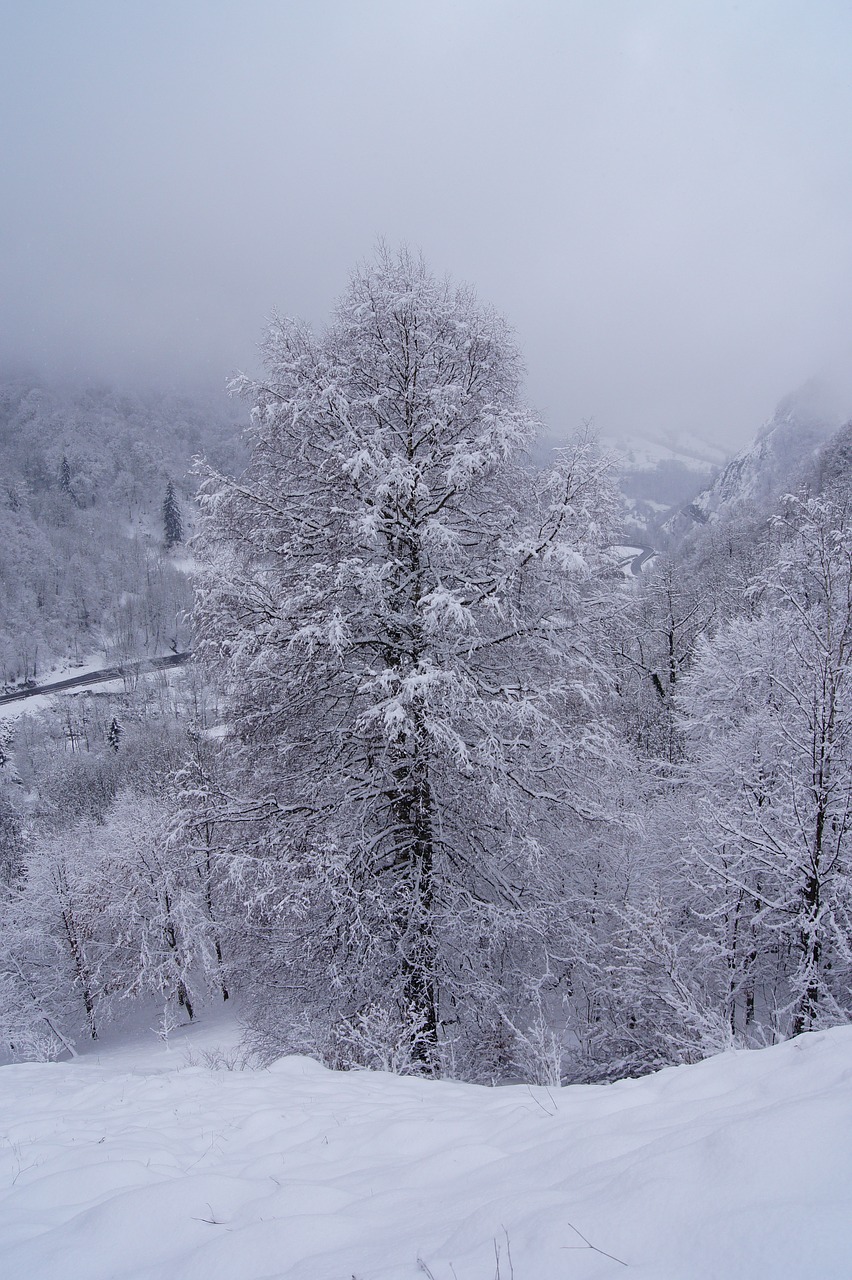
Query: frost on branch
x=396 y=604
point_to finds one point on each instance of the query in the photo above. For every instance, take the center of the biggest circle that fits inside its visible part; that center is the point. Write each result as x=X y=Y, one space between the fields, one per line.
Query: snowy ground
x=147 y=1163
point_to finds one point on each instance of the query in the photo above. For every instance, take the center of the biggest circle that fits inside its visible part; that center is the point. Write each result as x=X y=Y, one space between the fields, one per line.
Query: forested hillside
x=84 y=475
x=445 y=791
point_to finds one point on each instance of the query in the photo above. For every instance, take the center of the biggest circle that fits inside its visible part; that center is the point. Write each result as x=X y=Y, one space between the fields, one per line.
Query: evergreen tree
x=172 y=522
x=115 y=732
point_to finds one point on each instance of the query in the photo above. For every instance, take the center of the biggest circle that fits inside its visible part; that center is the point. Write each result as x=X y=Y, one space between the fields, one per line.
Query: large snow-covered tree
x=397 y=605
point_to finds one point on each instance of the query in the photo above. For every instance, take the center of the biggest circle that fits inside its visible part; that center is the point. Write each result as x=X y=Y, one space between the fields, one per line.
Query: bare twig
x=213 y=1220
x=587 y=1244
x=539 y=1103
x=508 y=1257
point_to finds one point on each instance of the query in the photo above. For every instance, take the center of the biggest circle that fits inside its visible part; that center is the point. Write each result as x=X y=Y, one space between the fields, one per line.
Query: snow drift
x=143 y=1163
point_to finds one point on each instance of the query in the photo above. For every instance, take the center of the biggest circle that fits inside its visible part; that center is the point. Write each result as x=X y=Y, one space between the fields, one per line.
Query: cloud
x=657 y=196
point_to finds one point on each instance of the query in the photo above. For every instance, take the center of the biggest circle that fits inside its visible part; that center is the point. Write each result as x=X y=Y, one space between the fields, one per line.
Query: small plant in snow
x=538 y=1050
x=381 y=1040
x=169 y=1022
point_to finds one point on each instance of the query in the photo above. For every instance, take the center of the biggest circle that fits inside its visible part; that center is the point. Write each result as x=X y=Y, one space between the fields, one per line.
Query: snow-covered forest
x=83 y=539
x=425 y=640
x=457 y=783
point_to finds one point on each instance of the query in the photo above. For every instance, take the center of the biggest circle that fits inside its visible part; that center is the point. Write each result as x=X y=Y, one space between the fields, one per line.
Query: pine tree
x=114 y=734
x=172 y=522
x=65 y=477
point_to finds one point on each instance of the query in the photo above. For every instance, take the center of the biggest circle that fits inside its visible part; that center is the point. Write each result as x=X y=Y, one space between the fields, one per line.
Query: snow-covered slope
x=149 y=1164
x=657 y=475
x=776 y=459
x=648 y=451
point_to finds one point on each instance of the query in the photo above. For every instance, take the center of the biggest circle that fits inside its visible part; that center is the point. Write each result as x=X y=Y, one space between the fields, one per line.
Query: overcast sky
x=657 y=193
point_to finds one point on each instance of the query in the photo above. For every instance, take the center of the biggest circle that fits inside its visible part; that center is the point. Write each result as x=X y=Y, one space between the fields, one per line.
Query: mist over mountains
x=77 y=553
x=672 y=485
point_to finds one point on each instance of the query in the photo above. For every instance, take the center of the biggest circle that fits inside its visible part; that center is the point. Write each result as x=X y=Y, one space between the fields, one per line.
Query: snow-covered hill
x=647 y=452
x=658 y=475
x=148 y=1163
x=776 y=460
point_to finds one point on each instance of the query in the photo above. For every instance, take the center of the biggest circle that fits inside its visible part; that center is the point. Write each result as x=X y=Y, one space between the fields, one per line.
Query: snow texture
x=143 y=1162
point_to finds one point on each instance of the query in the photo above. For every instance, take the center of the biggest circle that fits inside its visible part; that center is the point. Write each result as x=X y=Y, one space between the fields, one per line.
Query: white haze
x=657 y=194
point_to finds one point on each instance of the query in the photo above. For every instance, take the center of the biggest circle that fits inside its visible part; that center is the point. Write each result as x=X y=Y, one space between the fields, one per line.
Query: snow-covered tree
x=195 y=843
x=154 y=902
x=397 y=605
x=65 y=476
x=114 y=734
x=100 y=912
x=769 y=721
x=654 y=645
x=11 y=838
x=53 y=944
x=172 y=520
